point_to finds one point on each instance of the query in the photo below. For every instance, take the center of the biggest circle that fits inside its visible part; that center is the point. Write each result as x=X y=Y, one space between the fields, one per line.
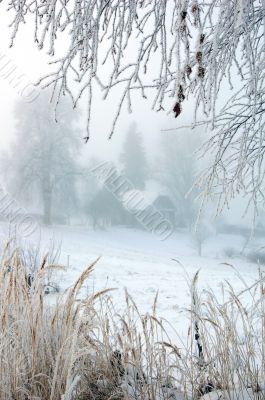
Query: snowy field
x=138 y=261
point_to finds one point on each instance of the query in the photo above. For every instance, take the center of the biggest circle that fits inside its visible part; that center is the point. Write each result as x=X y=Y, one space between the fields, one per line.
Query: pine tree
x=133 y=158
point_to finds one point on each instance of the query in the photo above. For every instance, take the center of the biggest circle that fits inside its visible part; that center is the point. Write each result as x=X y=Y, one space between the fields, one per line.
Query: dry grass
x=80 y=350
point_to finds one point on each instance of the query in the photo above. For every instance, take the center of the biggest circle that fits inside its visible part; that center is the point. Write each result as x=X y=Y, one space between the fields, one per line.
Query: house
x=164 y=204
x=142 y=205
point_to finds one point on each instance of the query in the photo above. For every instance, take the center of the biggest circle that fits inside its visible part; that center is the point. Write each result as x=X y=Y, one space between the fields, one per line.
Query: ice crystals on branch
x=196 y=45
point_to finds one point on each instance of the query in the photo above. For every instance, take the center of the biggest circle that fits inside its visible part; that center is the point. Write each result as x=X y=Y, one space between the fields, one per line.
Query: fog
x=168 y=169
x=132 y=259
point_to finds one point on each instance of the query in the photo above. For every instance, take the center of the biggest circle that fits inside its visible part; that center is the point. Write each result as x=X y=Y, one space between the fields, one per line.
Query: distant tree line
x=45 y=171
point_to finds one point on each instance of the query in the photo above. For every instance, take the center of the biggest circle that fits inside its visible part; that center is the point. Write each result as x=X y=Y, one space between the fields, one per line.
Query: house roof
x=140 y=199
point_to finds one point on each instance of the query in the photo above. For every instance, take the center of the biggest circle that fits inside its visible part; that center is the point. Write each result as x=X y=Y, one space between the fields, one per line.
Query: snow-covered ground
x=138 y=261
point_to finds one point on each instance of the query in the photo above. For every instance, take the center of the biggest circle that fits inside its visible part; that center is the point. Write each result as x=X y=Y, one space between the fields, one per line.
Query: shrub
x=230 y=252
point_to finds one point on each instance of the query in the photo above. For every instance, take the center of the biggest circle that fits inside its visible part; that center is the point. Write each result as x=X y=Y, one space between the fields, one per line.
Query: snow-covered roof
x=139 y=199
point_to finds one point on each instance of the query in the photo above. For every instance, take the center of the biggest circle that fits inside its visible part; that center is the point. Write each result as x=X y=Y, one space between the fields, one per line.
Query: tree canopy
x=133 y=158
x=46 y=168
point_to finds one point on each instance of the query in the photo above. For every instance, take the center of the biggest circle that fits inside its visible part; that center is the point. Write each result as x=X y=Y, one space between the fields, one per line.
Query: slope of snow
x=138 y=261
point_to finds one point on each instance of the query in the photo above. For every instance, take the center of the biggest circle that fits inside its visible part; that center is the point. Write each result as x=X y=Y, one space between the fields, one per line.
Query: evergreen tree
x=133 y=158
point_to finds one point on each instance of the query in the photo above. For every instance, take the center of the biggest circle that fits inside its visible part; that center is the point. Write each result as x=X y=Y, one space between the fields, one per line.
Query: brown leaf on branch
x=201 y=72
x=181 y=95
x=188 y=70
x=194 y=8
x=199 y=57
x=183 y=15
x=177 y=109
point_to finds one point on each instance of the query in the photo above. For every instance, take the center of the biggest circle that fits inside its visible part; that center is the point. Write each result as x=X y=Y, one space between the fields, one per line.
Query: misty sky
x=33 y=63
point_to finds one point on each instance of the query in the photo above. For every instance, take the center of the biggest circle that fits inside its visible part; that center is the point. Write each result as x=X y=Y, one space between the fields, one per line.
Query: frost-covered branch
x=178 y=50
x=143 y=44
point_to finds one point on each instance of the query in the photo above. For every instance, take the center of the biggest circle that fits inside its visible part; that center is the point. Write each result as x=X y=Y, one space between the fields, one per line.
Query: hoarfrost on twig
x=184 y=49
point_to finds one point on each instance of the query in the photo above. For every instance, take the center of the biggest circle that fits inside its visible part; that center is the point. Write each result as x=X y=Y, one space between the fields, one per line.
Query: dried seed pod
x=188 y=70
x=177 y=109
x=202 y=37
x=182 y=28
x=201 y=72
x=199 y=57
x=181 y=97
